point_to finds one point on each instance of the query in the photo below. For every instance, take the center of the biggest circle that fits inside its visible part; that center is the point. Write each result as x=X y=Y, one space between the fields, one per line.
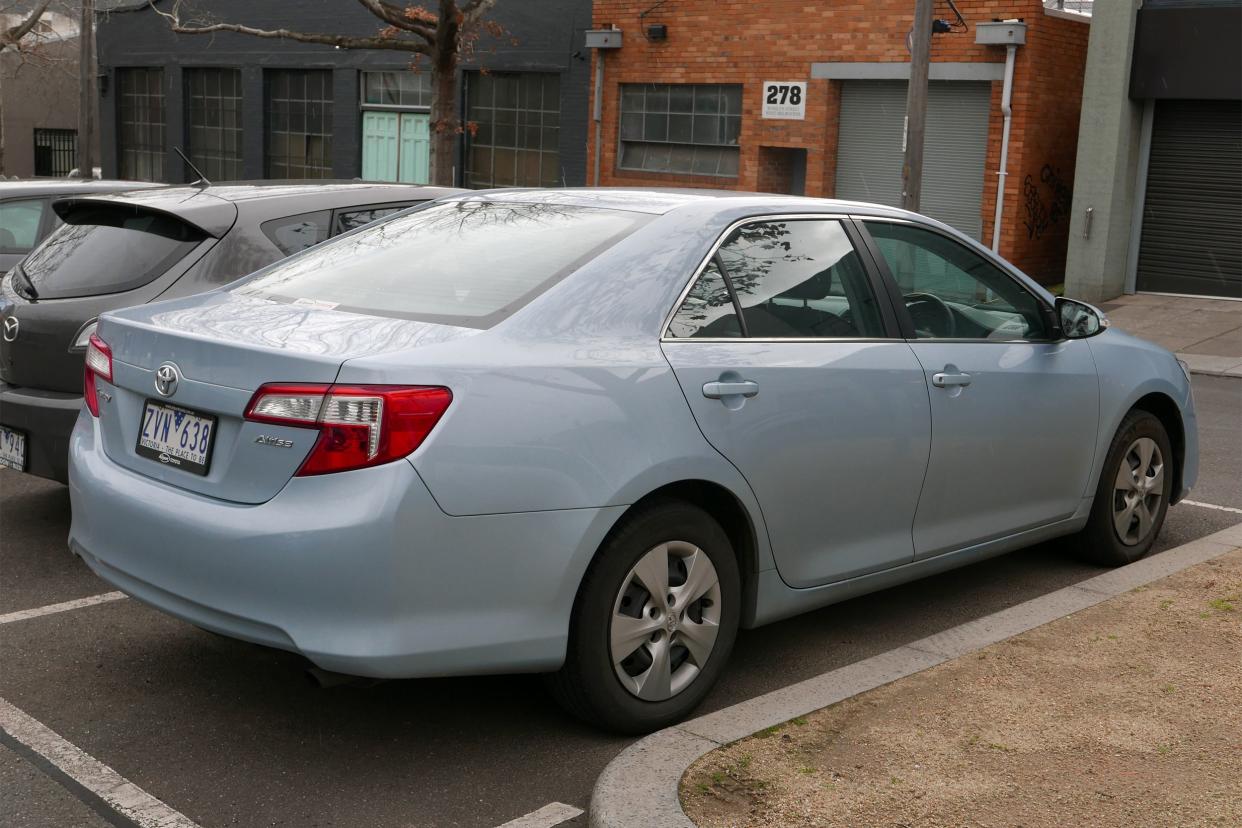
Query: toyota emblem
x=166 y=378
x=10 y=328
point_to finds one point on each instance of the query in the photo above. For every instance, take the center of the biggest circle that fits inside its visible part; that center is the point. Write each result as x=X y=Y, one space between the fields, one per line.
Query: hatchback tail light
x=359 y=425
x=98 y=363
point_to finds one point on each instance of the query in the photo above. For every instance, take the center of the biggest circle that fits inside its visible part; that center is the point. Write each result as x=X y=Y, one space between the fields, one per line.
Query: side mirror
x=1078 y=320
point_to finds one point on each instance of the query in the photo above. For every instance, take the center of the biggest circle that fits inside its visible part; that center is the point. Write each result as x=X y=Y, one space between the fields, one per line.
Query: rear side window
x=353 y=218
x=469 y=263
x=792 y=279
x=108 y=250
x=19 y=224
x=295 y=233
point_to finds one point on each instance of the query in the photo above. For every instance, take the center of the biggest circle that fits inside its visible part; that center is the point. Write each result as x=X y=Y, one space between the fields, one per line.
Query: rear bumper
x=361 y=571
x=46 y=418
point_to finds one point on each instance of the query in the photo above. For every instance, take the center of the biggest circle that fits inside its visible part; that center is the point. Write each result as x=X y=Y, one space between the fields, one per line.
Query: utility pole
x=86 y=91
x=916 y=106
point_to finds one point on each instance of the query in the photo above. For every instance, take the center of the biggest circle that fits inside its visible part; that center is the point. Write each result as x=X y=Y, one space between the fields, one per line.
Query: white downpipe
x=1011 y=52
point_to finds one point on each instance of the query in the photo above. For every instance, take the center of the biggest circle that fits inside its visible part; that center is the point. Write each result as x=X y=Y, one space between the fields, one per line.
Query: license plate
x=176 y=436
x=12 y=449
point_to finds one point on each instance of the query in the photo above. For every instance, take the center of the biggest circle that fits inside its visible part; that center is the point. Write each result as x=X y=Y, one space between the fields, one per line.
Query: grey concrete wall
x=39 y=92
x=541 y=35
x=1108 y=151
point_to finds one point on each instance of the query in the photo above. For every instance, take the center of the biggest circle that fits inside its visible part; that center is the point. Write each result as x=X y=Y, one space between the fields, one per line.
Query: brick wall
x=730 y=41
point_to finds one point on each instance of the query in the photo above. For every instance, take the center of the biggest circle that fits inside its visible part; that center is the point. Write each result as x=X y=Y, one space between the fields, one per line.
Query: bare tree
x=11 y=40
x=441 y=36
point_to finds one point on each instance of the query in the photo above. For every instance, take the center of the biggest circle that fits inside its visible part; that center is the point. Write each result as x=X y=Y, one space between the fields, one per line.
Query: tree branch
x=396 y=17
x=16 y=33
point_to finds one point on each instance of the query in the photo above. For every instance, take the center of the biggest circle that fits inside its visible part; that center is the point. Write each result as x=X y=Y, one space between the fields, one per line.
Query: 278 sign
x=785 y=100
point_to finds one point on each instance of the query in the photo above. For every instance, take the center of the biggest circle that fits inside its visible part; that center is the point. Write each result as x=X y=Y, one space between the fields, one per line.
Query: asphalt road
x=232 y=734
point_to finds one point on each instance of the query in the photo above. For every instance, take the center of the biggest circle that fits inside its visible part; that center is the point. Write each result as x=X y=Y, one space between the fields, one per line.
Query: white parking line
x=1212 y=506
x=117 y=792
x=545 y=817
x=22 y=615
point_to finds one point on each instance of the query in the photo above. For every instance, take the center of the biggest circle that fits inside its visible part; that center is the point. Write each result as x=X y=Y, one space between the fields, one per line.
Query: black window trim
x=879 y=288
x=897 y=300
x=397 y=207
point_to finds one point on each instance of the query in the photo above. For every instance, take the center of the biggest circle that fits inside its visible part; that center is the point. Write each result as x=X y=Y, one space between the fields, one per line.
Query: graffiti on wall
x=1043 y=211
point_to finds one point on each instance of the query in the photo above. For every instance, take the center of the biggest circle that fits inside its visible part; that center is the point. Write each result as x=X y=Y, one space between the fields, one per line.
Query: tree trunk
x=86 y=91
x=445 y=126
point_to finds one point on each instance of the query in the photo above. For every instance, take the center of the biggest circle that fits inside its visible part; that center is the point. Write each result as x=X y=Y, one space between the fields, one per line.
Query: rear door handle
x=948 y=380
x=716 y=389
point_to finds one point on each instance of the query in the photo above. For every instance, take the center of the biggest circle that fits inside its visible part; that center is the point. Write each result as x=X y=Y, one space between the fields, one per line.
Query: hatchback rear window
x=470 y=263
x=107 y=250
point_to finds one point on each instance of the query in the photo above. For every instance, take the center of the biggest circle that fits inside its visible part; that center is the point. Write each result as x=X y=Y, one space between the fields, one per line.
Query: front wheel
x=1133 y=495
x=654 y=622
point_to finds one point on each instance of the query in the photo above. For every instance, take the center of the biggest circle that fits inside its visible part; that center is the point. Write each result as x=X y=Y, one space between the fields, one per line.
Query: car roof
x=38 y=187
x=662 y=200
x=214 y=208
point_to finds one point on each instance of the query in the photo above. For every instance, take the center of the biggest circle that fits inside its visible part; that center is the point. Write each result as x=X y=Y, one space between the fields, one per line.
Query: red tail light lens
x=359 y=425
x=98 y=363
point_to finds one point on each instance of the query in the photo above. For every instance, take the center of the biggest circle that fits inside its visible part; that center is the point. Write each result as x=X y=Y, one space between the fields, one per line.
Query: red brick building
x=684 y=105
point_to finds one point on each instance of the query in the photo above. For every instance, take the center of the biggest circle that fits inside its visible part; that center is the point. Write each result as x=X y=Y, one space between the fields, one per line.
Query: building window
x=396 y=89
x=513 y=129
x=55 y=151
x=140 y=117
x=213 y=122
x=299 y=123
x=690 y=129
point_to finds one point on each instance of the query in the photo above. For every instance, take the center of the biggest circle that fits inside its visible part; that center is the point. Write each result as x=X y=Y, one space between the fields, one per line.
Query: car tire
x=614 y=610
x=1130 y=503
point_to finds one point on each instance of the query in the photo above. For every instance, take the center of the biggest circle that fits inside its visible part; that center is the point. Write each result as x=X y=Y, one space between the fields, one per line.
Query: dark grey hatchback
x=117 y=251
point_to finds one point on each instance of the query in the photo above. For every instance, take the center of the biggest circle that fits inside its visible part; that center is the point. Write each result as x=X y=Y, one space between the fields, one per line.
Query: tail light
x=359 y=425
x=98 y=363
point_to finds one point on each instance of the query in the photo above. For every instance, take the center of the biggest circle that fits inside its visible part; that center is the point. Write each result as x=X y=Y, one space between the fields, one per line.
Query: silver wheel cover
x=665 y=620
x=1137 y=491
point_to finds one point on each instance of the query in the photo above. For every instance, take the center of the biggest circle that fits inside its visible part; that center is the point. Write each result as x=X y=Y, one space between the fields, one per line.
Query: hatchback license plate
x=12 y=449
x=176 y=436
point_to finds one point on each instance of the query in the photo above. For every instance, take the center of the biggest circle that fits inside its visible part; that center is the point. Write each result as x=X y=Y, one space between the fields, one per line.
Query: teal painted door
x=396 y=146
x=415 y=165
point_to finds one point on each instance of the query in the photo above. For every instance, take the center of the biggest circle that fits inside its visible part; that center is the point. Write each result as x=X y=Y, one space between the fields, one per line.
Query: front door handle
x=946 y=379
x=717 y=389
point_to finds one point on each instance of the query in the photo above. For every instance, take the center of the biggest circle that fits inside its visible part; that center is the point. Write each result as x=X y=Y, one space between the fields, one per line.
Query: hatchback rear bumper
x=359 y=571
x=46 y=418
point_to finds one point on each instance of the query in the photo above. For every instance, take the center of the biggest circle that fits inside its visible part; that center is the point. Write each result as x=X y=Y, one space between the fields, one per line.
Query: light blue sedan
x=594 y=432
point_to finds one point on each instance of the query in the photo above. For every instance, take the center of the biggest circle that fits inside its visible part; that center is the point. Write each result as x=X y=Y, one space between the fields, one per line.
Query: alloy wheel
x=665 y=620
x=1138 y=490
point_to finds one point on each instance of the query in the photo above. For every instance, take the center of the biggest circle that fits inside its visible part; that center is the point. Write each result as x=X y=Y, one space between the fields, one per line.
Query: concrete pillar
x=1108 y=150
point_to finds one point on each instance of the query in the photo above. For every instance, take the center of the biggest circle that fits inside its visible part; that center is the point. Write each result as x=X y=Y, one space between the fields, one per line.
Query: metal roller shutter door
x=870 y=154
x=1192 y=214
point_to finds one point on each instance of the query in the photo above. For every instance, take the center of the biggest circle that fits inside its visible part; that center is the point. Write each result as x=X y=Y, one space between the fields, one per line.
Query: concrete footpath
x=641 y=786
x=1204 y=333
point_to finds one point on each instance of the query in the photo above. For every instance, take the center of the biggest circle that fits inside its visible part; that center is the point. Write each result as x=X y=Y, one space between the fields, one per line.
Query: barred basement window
x=689 y=129
x=213 y=126
x=299 y=123
x=140 y=121
x=55 y=151
x=516 y=140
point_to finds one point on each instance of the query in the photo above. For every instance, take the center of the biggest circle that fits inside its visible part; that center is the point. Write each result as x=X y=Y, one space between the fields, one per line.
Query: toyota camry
x=593 y=433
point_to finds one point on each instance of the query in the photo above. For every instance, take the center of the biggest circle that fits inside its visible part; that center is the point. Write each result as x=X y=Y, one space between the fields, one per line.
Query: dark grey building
x=245 y=108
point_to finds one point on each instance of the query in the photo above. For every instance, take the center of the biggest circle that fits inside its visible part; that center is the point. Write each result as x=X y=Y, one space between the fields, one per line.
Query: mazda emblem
x=166 y=378
x=10 y=328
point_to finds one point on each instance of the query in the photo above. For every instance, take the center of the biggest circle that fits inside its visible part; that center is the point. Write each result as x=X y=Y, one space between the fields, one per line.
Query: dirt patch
x=1125 y=714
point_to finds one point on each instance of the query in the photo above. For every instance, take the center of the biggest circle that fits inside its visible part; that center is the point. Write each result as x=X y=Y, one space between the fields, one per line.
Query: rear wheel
x=654 y=622
x=1133 y=495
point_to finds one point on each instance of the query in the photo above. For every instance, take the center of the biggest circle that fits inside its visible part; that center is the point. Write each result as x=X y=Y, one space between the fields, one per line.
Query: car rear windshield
x=470 y=263
x=107 y=250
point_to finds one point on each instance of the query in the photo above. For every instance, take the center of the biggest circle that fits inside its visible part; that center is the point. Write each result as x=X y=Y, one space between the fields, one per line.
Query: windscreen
x=469 y=263
x=107 y=250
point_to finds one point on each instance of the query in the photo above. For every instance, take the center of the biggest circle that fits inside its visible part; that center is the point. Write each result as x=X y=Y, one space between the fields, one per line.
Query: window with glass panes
x=213 y=122
x=299 y=123
x=140 y=124
x=396 y=89
x=690 y=129
x=513 y=121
